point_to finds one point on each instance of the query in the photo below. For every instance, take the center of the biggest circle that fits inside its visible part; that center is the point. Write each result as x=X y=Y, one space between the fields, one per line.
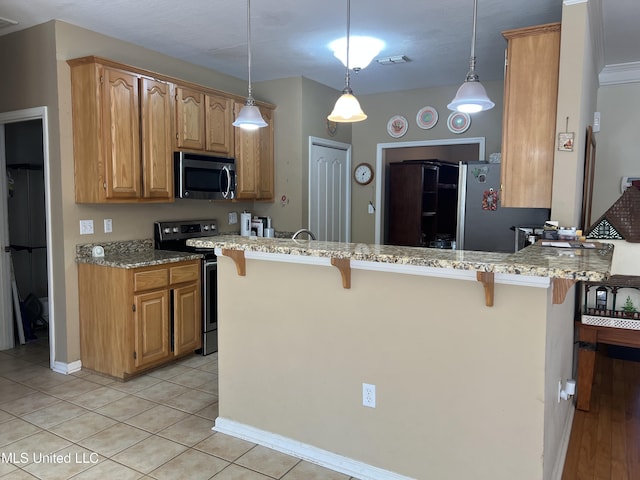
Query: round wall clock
x=363 y=174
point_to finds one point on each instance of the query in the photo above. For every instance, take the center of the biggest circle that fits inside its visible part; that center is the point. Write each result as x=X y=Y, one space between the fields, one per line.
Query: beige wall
x=302 y=112
x=460 y=386
x=29 y=79
x=618 y=143
x=577 y=94
x=380 y=108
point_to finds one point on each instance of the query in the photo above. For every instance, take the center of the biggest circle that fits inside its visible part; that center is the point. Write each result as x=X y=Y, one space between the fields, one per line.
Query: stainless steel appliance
x=204 y=177
x=483 y=224
x=173 y=236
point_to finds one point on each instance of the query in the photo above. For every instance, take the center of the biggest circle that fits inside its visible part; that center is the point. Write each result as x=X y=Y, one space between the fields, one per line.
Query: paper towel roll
x=245 y=224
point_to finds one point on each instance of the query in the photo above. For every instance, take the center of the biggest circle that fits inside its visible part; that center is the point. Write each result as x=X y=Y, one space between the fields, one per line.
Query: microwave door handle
x=228 y=172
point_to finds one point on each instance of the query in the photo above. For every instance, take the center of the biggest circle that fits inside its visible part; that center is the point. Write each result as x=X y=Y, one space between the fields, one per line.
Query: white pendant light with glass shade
x=347 y=109
x=249 y=117
x=471 y=96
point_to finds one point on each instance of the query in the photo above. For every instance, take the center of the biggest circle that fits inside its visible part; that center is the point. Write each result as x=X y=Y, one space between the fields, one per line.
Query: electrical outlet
x=233 y=218
x=86 y=227
x=108 y=225
x=371 y=209
x=368 y=395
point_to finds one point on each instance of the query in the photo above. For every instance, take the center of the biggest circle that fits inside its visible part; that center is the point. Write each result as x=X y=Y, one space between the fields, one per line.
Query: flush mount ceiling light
x=249 y=117
x=361 y=51
x=347 y=109
x=471 y=96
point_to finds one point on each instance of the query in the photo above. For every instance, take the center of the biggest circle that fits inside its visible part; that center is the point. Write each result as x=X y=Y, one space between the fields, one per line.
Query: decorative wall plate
x=397 y=126
x=427 y=118
x=459 y=122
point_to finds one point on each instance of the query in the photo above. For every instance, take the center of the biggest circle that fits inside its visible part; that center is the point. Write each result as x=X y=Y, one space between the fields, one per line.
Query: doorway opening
x=25 y=218
x=450 y=150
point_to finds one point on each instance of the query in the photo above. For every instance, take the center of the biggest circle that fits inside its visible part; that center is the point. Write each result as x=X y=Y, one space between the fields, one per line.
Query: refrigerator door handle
x=462 y=200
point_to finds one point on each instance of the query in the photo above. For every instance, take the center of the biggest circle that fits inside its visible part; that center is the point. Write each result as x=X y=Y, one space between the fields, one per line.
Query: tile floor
x=156 y=426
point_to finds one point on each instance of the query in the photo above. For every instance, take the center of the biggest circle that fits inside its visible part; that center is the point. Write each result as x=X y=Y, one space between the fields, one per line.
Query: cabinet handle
x=133 y=307
x=135 y=355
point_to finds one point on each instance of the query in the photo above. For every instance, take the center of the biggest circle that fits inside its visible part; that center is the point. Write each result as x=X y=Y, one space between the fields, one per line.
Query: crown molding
x=573 y=2
x=620 y=73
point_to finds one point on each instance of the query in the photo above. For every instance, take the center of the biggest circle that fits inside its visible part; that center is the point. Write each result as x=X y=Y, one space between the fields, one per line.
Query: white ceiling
x=290 y=37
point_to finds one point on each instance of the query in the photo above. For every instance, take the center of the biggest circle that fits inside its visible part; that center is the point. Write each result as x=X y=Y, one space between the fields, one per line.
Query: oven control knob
x=167 y=230
x=213 y=227
x=206 y=228
x=175 y=229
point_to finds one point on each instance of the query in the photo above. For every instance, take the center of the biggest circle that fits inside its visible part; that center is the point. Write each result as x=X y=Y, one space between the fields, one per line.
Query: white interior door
x=330 y=190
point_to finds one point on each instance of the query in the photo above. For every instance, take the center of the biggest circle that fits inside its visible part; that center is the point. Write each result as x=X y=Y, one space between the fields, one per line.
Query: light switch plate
x=108 y=225
x=86 y=227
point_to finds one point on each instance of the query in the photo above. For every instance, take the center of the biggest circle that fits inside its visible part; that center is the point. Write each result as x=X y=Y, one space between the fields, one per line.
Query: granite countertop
x=535 y=260
x=130 y=254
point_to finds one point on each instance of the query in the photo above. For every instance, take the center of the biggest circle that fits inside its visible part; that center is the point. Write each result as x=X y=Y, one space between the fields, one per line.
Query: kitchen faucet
x=304 y=230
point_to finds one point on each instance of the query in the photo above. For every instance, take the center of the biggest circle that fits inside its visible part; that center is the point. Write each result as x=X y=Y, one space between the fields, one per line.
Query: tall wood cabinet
x=529 y=118
x=421 y=203
x=122 y=125
x=135 y=319
x=255 y=159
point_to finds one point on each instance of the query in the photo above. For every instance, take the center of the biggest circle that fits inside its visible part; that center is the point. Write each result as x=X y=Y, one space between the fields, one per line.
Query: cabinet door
x=151 y=328
x=190 y=118
x=529 y=122
x=255 y=159
x=121 y=133
x=406 y=192
x=157 y=144
x=247 y=149
x=187 y=319
x=219 y=133
x=266 y=190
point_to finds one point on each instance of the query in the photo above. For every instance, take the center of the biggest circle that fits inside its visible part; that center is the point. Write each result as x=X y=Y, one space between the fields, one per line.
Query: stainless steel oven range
x=173 y=236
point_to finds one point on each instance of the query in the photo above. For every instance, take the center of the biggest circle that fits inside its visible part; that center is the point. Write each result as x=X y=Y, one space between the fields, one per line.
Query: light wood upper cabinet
x=122 y=138
x=529 y=121
x=157 y=144
x=255 y=159
x=204 y=121
x=190 y=118
x=122 y=125
x=219 y=132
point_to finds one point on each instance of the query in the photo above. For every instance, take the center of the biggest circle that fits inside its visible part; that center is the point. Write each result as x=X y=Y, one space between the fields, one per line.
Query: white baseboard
x=564 y=445
x=304 y=451
x=67 y=368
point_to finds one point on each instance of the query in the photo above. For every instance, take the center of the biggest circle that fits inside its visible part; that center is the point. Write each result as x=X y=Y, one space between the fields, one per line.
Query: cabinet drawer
x=146 y=280
x=184 y=273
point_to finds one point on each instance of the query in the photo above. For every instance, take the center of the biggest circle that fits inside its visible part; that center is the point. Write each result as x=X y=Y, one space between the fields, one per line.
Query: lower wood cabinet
x=135 y=319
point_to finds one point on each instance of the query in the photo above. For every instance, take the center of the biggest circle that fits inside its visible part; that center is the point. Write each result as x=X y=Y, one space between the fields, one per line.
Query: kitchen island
x=465 y=350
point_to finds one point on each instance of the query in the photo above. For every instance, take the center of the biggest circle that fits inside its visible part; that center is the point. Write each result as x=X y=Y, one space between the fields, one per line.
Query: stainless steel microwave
x=204 y=177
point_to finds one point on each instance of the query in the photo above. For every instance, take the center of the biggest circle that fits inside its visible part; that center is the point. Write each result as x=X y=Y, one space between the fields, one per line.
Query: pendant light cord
x=249 y=46
x=472 y=76
x=347 y=88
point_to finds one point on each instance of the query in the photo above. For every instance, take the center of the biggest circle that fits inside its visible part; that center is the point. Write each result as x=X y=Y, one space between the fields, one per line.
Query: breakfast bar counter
x=465 y=350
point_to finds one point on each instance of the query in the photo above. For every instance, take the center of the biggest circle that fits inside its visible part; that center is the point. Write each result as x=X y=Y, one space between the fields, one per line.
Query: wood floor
x=605 y=442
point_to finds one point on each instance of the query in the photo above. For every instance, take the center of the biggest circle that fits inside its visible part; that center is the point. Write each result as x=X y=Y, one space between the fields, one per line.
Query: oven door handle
x=228 y=172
